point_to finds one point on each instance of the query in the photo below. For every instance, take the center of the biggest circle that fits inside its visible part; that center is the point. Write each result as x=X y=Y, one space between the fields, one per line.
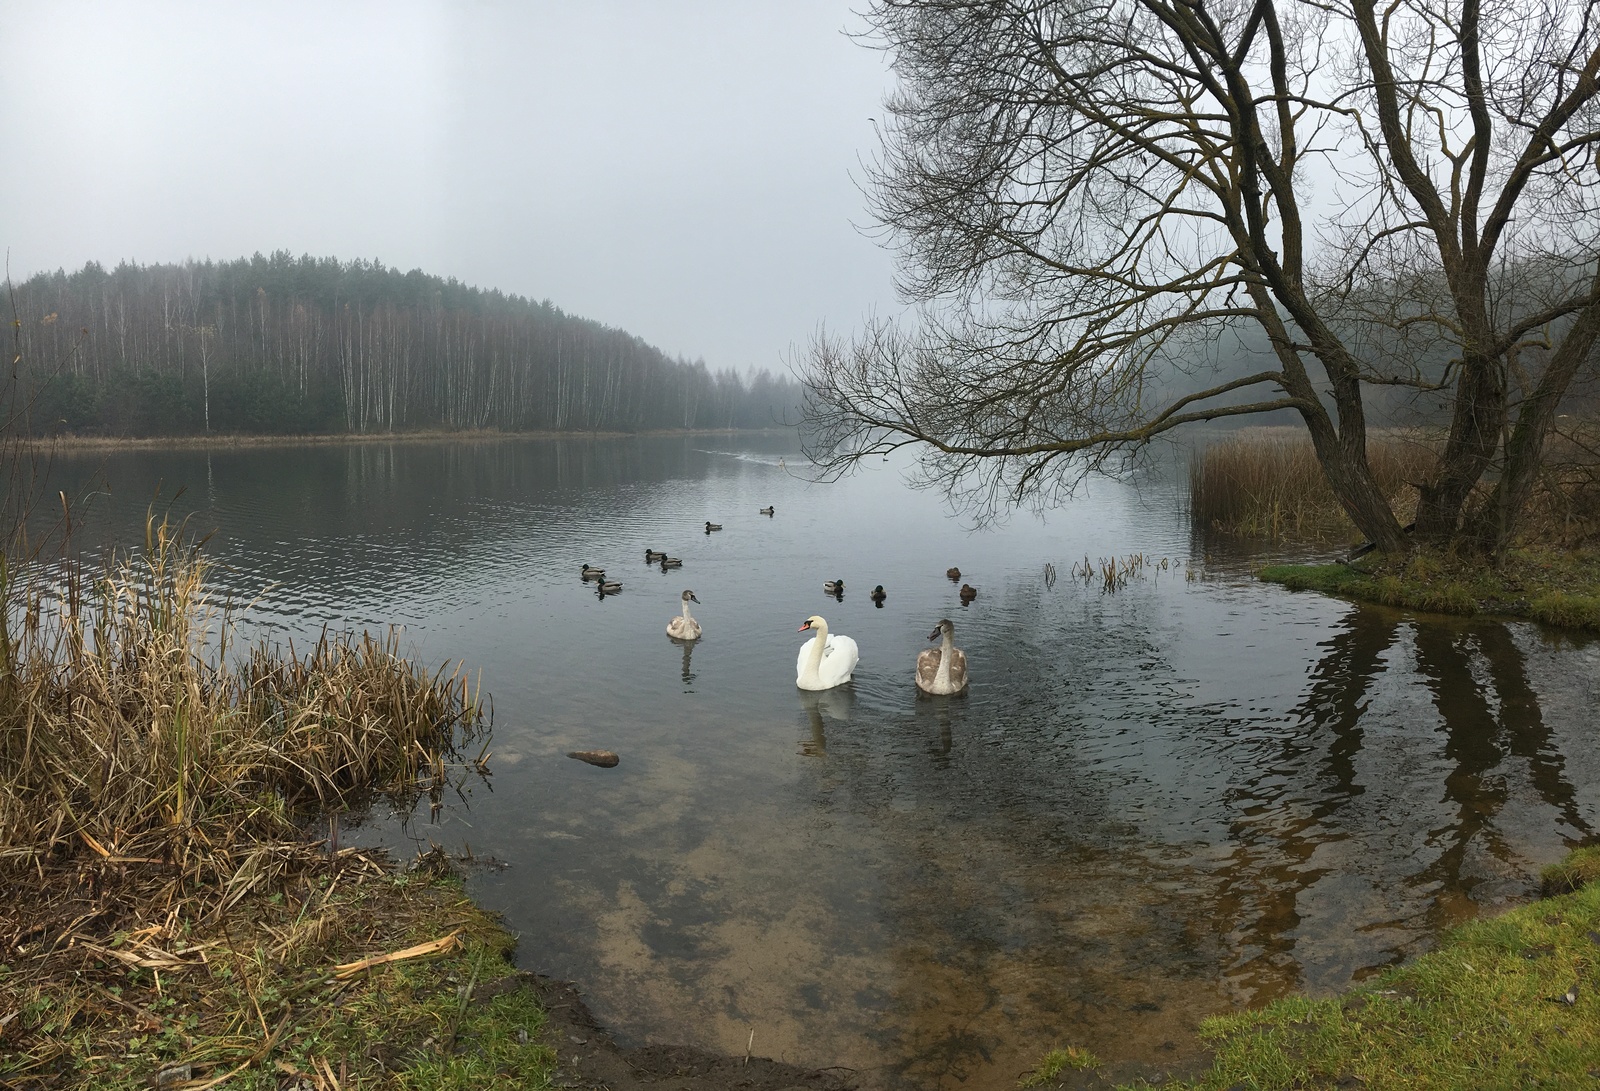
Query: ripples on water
x=1152 y=806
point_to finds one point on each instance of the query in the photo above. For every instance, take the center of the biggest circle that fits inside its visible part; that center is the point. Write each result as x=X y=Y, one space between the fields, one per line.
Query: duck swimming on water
x=878 y=595
x=767 y=511
x=592 y=573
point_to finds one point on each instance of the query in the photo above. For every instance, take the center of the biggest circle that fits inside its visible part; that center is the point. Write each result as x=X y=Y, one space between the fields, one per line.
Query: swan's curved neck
x=941 y=677
x=818 y=643
x=686 y=616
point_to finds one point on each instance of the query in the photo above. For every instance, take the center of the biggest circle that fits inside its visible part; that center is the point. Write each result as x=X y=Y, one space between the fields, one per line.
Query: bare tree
x=1083 y=191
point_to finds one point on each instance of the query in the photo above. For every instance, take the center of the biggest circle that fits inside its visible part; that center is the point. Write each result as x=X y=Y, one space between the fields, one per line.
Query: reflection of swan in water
x=941 y=752
x=942 y=670
x=684 y=627
x=688 y=652
x=819 y=706
x=824 y=661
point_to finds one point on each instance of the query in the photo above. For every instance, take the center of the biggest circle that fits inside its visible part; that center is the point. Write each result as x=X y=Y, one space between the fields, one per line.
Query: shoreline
x=1557 y=588
x=334 y=439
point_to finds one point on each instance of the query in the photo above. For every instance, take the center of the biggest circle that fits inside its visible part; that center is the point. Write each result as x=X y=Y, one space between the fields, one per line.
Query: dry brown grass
x=140 y=749
x=1267 y=483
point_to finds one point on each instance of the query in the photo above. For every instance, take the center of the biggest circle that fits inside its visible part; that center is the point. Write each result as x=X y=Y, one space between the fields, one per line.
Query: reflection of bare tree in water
x=1300 y=795
x=1486 y=722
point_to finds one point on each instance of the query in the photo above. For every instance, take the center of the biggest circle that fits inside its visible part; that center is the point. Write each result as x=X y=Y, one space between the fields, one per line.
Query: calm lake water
x=1184 y=797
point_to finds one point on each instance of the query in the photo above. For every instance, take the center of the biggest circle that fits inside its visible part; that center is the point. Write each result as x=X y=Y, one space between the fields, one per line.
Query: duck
x=609 y=587
x=942 y=670
x=671 y=562
x=590 y=572
x=833 y=587
x=769 y=510
x=712 y=526
x=684 y=627
x=968 y=592
x=651 y=556
x=953 y=575
x=878 y=594
x=825 y=661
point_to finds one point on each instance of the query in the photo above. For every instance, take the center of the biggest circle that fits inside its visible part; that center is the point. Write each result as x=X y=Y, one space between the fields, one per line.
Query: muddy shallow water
x=1195 y=793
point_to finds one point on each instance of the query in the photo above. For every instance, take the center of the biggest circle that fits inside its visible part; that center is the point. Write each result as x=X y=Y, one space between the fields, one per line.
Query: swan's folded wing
x=958 y=666
x=927 y=666
x=840 y=657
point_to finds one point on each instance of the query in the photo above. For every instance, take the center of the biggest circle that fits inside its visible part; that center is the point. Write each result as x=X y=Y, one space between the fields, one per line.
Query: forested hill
x=297 y=345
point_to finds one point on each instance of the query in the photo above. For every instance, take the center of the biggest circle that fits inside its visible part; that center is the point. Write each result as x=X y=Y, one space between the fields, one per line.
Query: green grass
x=1556 y=588
x=1057 y=1061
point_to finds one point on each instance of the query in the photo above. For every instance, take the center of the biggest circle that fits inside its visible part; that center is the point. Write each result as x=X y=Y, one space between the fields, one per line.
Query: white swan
x=942 y=670
x=824 y=661
x=684 y=627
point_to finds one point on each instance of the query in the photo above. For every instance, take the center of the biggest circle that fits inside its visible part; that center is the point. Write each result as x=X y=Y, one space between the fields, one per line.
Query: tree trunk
x=1494 y=524
x=1480 y=413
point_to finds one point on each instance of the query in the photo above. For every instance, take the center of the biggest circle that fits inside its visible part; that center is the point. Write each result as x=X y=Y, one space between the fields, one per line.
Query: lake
x=1190 y=794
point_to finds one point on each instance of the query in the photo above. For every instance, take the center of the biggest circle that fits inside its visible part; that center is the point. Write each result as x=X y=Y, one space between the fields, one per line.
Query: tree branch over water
x=1085 y=194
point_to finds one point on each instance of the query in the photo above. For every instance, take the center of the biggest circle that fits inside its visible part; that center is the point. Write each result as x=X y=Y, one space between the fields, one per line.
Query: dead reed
x=1267 y=483
x=138 y=748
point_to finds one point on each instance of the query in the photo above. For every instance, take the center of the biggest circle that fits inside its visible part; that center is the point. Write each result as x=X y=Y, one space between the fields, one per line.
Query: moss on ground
x=1555 y=588
x=258 y=993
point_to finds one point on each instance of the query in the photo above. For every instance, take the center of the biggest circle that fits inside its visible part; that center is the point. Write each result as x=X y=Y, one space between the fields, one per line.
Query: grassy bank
x=166 y=903
x=1553 y=587
x=1507 y=1002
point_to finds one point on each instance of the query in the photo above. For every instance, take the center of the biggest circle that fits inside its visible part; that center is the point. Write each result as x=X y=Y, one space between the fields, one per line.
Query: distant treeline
x=304 y=345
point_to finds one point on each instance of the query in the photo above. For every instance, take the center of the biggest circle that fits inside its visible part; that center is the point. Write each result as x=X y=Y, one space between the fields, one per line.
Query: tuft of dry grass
x=141 y=750
x=1267 y=483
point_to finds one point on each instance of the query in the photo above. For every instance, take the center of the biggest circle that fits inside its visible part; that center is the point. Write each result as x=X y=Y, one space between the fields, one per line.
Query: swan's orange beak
x=804 y=627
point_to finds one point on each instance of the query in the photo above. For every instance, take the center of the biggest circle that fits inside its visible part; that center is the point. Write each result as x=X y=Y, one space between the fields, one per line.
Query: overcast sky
x=682 y=170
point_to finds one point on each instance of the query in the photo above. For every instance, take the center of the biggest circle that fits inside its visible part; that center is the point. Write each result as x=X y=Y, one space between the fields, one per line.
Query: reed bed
x=1267 y=483
x=141 y=751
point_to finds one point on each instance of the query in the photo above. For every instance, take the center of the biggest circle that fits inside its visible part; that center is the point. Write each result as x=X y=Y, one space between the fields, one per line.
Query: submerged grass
x=1556 y=588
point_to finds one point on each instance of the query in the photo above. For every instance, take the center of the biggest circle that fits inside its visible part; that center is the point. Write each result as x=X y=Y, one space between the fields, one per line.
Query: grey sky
x=682 y=170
